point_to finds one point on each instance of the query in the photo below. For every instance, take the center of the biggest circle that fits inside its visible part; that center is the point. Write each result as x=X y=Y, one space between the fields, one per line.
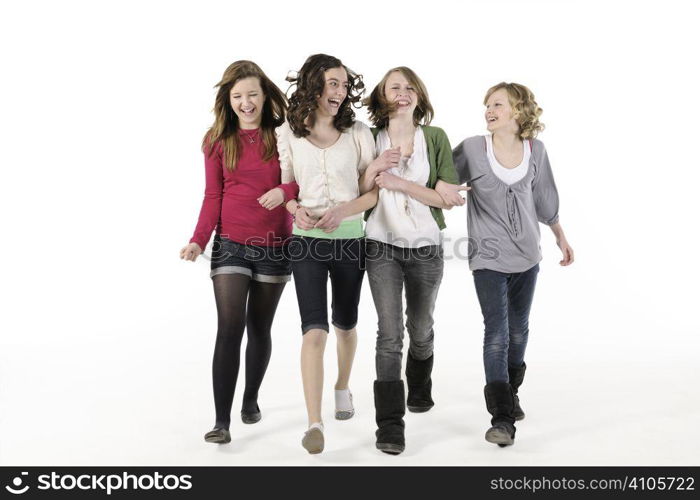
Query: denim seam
x=231 y=270
x=320 y=326
x=343 y=327
x=272 y=278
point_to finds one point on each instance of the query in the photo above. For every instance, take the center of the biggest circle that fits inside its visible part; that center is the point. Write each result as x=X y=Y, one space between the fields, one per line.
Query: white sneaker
x=313 y=439
x=344 y=409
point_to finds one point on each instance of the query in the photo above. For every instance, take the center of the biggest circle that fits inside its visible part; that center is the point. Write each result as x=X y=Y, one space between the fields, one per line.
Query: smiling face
x=499 y=113
x=335 y=90
x=247 y=101
x=401 y=93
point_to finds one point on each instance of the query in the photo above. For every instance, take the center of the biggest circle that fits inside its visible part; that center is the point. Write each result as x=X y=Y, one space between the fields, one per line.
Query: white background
x=107 y=336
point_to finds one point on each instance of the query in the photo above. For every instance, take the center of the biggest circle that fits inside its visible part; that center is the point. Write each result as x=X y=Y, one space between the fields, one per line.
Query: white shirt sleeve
x=365 y=145
x=285 y=152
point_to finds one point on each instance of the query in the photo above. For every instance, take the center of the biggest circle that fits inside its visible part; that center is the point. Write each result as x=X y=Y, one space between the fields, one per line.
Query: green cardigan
x=441 y=165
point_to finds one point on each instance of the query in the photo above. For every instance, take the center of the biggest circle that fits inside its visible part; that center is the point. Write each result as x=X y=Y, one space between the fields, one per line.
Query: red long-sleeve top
x=231 y=198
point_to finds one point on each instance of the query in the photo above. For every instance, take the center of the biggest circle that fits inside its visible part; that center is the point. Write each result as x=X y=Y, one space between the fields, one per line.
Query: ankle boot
x=419 y=384
x=389 y=402
x=499 y=402
x=516 y=375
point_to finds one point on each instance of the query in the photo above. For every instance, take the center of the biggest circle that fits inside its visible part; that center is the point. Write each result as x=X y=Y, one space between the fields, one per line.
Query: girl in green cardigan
x=404 y=245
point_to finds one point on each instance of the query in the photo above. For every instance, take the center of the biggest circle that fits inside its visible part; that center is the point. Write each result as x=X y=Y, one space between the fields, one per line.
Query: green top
x=441 y=165
x=346 y=230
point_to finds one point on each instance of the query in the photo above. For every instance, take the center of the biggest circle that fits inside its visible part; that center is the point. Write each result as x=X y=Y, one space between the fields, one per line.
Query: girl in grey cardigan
x=512 y=189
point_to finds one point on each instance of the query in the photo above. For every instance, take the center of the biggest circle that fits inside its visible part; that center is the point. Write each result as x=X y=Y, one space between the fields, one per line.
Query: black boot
x=389 y=402
x=499 y=402
x=516 y=375
x=419 y=384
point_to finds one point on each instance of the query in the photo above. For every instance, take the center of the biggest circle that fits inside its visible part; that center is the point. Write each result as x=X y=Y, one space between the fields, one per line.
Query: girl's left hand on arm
x=451 y=193
x=389 y=181
x=272 y=199
x=331 y=219
x=566 y=251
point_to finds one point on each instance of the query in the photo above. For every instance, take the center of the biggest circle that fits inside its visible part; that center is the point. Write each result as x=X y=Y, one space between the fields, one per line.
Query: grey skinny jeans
x=389 y=268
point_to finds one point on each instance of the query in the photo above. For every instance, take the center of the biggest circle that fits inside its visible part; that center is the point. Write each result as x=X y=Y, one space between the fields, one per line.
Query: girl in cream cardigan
x=325 y=151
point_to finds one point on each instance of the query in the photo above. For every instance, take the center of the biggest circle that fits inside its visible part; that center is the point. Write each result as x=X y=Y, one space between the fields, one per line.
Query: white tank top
x=508 y=175
x=398 y=219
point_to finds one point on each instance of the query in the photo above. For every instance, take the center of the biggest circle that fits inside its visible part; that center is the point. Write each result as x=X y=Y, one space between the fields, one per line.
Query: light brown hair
x=379 y=108
x=226 y=126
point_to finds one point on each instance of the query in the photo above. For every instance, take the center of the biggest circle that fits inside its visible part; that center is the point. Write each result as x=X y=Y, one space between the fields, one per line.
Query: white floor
x=123 y=378
x=106 y=337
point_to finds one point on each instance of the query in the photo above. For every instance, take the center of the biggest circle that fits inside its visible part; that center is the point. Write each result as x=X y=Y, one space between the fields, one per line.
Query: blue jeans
x=505 y=300
x=390 y=269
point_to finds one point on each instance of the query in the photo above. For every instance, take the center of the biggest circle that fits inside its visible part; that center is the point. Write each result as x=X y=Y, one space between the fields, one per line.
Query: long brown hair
x=379 y=108
x=310 y=84
x=225 y=127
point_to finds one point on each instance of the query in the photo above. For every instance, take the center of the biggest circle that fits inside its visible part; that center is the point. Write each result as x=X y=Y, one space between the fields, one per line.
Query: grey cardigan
x=504 y=234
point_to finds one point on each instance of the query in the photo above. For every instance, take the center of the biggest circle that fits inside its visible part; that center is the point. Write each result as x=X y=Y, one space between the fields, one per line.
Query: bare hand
x=190 y=252
x=389 y=181
x=331 y=219
x=566 y=251
x=303 y=219
x=388 y=159
x=272 y=199
x=450 y=193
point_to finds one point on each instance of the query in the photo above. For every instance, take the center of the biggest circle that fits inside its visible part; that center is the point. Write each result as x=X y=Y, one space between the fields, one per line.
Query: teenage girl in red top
x=248 y=266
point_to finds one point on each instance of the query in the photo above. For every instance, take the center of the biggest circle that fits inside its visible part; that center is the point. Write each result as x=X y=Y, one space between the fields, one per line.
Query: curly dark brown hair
x=380 y=109
x=310 y=83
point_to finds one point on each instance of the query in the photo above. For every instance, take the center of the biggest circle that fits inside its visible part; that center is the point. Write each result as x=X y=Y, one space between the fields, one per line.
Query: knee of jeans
x=422 y=343
x=518 y=323
x=389 y=345
x=420 y=328
x=494 y=347
x=519 y=336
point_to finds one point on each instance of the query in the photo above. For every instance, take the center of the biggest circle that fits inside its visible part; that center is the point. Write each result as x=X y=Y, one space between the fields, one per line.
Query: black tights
x=234 y=294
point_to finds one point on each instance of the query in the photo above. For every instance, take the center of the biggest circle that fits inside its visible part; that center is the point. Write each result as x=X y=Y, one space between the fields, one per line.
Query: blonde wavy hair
x=525 y=108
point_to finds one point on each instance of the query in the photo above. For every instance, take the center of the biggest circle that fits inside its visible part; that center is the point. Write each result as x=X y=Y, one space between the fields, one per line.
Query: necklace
x=251 y=137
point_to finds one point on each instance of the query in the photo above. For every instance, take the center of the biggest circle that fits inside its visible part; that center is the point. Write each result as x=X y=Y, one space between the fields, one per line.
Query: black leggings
x=241 y=303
